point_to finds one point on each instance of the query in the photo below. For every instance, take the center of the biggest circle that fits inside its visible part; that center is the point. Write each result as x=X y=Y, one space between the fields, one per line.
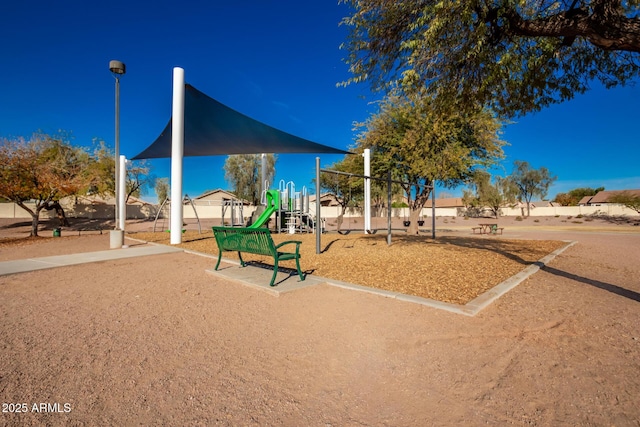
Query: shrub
x=536 y=220
x=518 y=218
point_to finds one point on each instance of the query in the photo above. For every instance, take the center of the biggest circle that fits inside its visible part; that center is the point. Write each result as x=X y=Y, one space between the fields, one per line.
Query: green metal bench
x=255 y=241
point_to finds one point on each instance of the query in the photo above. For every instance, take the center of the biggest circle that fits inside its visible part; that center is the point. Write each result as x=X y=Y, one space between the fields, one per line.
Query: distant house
x=544 y=204
x=450 y=202
x=327 y=199
x=216 y=197
x=446 y=202
x=602 y=197
x=585 y=201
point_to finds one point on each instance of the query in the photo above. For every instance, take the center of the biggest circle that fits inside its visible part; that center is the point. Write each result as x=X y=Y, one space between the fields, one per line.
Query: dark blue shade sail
x=211 y=128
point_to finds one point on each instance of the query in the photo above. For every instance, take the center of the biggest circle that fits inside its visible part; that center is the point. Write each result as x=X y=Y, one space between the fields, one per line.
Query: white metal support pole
x=117 y=153
x=122 y=206
x=433 y=209
x=177 y=151
x=318 y=208
x=263 y=172
x=367 y=190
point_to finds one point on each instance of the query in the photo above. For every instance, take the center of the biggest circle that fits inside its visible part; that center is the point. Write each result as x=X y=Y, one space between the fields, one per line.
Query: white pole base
x=116 y=239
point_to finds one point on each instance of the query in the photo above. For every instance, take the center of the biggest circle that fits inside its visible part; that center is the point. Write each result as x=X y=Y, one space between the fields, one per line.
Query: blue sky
x=277 y=62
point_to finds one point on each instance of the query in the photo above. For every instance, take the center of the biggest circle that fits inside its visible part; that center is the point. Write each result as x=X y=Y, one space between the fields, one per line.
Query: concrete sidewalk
x=24 y=265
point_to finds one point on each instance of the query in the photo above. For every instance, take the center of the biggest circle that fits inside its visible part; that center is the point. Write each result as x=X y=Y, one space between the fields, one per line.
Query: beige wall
x=11 y=210
x=609 y=210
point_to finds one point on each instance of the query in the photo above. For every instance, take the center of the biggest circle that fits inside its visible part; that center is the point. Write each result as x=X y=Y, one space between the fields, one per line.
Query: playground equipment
x=389 y=181
x=167 y=202
x=235 y=207
x=291 y=209
x=293 y=213
x=272 y=201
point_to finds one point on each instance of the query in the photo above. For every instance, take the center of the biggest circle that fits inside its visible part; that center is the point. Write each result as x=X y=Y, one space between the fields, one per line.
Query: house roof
x=215 y=192
x=218 y=194
x=445 y=202
x=585 y=200
x=603 y=196
x=325 y=198
x=450 y=202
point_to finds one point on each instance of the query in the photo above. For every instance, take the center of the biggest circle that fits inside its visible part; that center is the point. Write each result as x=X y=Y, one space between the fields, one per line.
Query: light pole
x=118 y=69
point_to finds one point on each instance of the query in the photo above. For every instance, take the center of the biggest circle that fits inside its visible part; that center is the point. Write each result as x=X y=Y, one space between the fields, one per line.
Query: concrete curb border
x=472 y=308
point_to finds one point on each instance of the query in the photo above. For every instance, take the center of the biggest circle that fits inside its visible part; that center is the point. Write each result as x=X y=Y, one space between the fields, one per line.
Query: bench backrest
x=253 y=240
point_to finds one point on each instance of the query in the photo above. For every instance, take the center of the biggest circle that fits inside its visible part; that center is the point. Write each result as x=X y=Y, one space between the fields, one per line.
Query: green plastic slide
x=273 y=201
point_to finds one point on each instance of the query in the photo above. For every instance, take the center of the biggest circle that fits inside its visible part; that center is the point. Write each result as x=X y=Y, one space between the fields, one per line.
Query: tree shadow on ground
x=507 y=248
x=618 y=220
x=16 y=225
x=618 y=290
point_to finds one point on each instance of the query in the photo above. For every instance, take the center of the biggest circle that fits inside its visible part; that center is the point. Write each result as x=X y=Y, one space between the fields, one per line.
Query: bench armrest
x=297 y=243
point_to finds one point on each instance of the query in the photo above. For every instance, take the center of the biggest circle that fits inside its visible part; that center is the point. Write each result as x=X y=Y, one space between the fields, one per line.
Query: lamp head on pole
x=117 y=68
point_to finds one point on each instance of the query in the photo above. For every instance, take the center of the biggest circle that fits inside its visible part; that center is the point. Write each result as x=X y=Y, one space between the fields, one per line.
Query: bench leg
x=241 y=260
x=275 y=272
x=298 y=267
x=219 y=258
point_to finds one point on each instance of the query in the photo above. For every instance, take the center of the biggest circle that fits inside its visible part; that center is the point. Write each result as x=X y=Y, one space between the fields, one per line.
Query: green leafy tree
x=100 y=171
x=530 y=182
x=348 y=191
x=41 y=170
x=242 y=172
x=162 y=189
x=626 y=198
x=511 y=56
x=420 y=145
x=101 y=174
x=493 y=194
x=138 y=179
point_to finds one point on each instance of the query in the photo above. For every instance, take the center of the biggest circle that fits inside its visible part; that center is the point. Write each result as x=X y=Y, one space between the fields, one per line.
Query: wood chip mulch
x=451 y=269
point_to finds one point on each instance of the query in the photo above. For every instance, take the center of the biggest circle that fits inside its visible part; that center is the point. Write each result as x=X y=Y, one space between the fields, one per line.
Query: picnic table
x=487 y=228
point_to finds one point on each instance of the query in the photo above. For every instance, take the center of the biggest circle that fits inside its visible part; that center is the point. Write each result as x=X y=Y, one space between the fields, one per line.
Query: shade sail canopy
x=211 y=128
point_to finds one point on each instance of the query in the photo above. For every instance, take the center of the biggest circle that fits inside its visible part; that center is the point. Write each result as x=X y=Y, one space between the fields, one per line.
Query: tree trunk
x=414 y=215
x=35 y=217
x=340 y=219
x=60 y=214
x=604 y=26
x=35 y=220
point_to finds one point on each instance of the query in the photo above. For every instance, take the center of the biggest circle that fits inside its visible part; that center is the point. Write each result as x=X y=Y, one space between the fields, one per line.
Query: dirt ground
x=158 y=341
